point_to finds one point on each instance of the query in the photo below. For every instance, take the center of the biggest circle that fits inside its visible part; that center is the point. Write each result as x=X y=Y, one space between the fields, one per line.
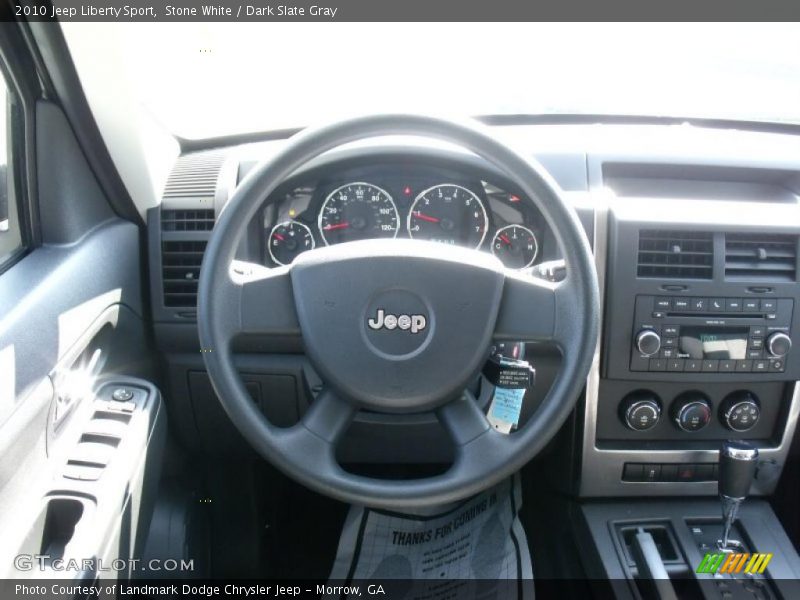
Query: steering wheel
x=397 y=326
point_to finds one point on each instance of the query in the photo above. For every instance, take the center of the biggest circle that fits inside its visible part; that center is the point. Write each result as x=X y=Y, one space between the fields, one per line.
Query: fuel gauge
x=287 y=240
x=516 y=246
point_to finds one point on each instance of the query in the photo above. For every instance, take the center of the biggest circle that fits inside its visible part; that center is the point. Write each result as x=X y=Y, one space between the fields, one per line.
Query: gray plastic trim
x=601 y=468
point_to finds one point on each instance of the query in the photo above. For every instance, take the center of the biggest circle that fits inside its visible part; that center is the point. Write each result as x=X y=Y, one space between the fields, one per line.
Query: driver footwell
x=474 y=548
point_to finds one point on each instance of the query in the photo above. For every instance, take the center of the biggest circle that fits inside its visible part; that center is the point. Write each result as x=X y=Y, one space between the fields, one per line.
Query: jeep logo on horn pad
x=413 y=323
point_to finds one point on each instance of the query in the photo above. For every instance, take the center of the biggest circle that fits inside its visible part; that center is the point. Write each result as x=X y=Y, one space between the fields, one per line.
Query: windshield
x=203 y=80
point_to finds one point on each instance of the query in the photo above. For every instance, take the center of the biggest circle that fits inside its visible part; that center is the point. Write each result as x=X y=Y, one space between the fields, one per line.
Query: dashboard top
x=570 y=152
x=723 y=203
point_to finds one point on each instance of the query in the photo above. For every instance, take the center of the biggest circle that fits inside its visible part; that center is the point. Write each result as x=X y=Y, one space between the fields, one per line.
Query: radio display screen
x=714 y=342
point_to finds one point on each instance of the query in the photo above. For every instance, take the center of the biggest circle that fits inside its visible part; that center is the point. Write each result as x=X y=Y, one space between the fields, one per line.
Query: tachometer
x=358 y=211
x=287 y=240
x=449 y=214
x=516 y=246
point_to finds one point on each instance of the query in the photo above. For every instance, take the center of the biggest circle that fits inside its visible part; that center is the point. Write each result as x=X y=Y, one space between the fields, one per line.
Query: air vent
x=760 y=257
x=675 y=254
x=187 y=220
x=181 y=269
x=194 y=176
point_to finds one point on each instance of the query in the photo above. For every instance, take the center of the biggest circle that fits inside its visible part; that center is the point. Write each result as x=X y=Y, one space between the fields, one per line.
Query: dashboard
x=697 y=246
x=402 y=200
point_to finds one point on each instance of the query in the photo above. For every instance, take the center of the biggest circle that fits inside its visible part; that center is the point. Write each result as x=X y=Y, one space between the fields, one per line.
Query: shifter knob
x=737 y=467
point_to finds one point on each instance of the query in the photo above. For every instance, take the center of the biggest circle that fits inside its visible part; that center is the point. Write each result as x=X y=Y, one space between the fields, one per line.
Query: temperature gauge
x=287 y=240
x=516 y=246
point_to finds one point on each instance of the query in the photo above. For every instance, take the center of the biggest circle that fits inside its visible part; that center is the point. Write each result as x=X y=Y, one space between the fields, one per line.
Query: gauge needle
x=505 y=239
x=419 y=215
x=280 y=237
x=336 y=226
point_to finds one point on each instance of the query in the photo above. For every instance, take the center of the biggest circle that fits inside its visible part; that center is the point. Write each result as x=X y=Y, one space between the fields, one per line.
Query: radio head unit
x=713 y=335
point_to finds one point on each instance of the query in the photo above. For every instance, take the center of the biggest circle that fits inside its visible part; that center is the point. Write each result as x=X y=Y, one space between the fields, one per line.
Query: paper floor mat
x=476 y=548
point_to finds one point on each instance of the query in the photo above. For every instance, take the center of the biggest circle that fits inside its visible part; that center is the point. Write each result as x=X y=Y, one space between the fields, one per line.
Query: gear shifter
x=737 y=467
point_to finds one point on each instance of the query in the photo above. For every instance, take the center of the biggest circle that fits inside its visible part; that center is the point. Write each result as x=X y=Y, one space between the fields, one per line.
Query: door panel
x=71 y=329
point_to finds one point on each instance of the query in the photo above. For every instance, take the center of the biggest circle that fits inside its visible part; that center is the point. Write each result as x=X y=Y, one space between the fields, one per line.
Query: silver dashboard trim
x=601 y=468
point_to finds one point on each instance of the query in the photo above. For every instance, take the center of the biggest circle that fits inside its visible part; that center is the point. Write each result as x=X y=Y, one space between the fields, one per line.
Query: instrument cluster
x=390 y=202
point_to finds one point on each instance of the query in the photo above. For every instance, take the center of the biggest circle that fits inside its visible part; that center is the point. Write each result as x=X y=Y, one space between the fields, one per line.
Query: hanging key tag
x=511 y=378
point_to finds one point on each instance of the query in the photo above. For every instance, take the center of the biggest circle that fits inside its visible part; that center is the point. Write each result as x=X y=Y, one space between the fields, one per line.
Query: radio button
x=727 y=366
x=681 y=303
x=733 y=304
x=669 y=331
x=692 y=364
x=757 y=343
x=699 y=304
x=776 y=366
x=750 y=305
x=711 y=365
x=779 y=344
x=744 y=366
x=769 y=305
x=663 y=304
x=658 y=364
x=648 y=342
x=716 y=304
x=675 y=364
x=760 y=366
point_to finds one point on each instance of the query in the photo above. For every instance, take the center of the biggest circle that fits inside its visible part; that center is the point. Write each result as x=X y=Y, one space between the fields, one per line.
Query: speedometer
x=449 y=214
x=358 y=211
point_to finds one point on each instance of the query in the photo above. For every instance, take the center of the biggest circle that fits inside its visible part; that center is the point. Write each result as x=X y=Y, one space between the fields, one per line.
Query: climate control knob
x=740 y=411
x=691 y=411
x=648 y=342
x=640 y=410
x=779 y=344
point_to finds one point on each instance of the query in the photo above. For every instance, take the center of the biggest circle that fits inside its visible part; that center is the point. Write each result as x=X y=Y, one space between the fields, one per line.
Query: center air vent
x=675 y=254
x=760 y=257
x=181 y=269
x=187 y=220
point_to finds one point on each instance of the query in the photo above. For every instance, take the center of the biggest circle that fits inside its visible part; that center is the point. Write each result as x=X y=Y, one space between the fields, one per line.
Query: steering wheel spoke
x=266 y=301
x=329 y=417
x=463 y=419
x=529 y=310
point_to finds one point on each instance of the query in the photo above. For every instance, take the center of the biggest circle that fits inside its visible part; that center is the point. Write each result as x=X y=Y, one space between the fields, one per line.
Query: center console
x=684 y=534
x=699 y=352
x=700 y=321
